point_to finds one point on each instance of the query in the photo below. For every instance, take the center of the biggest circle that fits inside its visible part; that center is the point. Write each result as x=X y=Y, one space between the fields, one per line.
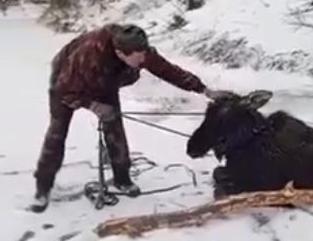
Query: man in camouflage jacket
x=88 y=72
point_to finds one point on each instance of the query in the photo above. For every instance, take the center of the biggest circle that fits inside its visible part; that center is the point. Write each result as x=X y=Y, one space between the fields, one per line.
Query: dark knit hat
x=129 y=38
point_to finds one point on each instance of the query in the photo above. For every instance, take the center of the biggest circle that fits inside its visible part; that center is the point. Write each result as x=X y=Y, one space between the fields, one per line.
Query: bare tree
x=302 y=14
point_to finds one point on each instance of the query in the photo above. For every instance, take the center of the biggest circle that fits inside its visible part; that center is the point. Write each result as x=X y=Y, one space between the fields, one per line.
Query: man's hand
x=104 y=112
x=217 y=94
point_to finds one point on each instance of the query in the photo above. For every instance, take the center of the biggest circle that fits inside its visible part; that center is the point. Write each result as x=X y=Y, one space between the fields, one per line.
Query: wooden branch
x=199 y=215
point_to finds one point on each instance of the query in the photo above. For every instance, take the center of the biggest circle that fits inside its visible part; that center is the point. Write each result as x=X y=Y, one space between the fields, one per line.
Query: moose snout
x=192 y=152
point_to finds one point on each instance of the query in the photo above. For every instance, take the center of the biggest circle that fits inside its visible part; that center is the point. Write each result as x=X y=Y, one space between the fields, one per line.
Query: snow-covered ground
x=26 y=50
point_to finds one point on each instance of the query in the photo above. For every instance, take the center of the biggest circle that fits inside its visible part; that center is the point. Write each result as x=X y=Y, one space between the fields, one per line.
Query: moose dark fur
x=261 y=153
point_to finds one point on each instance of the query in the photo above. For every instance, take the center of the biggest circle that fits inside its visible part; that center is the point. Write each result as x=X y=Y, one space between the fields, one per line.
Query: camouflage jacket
x=87 y=69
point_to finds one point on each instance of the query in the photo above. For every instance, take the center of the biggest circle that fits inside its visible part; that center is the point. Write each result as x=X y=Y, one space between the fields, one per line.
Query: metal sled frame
x=97 y=191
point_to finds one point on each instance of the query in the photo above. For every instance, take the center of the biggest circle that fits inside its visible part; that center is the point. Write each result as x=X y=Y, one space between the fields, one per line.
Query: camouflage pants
x=52 y=152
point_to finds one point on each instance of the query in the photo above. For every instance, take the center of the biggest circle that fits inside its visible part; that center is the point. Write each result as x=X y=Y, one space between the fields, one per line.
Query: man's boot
x=41 y=200
x=131 y=189
x=123 y=182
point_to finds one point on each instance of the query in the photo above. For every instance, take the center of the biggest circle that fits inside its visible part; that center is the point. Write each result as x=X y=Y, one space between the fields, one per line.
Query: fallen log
x=199 y=215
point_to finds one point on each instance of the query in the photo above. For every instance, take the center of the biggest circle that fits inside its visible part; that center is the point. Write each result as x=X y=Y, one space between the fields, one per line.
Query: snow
x=257 y=20
x=26 y=50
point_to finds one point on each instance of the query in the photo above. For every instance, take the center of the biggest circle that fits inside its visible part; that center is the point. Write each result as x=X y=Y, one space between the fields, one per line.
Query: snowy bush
x=177 y=22
x=61 y=15
x=5 y=4
x=296 y=61
x=69 y=15
x=194 y=4
x=81 y=15
x=236 y=53
x=233 y=53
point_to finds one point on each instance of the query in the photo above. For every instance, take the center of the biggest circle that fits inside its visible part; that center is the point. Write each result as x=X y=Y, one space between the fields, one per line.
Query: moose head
x=228 y=122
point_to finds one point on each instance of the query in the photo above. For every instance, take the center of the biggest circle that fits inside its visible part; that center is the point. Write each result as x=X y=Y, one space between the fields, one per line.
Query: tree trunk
x=199 y=215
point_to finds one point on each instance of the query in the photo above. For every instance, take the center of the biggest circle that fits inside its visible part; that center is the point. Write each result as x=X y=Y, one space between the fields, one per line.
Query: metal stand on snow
x=97 y=192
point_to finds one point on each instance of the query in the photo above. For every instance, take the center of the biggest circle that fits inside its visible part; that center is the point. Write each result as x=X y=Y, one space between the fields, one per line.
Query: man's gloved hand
x=104 y=112
x=217 y=94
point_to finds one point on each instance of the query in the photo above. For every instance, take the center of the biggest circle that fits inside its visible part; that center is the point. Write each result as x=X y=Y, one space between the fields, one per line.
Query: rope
x=98 y=193
x=153 y=191
x=127 y=114
x=164 y=113
x=75 y=196
x=156 y=126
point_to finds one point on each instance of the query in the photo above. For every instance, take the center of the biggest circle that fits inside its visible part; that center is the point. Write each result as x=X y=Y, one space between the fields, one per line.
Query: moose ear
x=256 y=99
